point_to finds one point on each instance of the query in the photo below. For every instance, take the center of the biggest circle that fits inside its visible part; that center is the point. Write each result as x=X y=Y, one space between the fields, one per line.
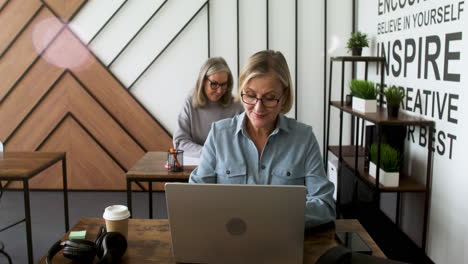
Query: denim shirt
x=291 y=156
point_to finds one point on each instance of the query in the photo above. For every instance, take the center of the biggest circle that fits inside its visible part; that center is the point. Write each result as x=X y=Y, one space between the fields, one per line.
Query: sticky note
x=77 y=234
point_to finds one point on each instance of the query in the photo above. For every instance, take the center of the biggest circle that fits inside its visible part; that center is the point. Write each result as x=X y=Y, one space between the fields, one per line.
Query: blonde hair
x=210 y=67
x=268 y=62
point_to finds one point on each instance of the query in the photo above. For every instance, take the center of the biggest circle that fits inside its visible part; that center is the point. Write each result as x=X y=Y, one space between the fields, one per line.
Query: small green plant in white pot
x=390 y=163
x=364 y=96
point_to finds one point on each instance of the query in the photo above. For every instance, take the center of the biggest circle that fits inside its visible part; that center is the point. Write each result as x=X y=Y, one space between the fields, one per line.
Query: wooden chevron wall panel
x=51 y=177
x=57 y=96
x=92 y=166
x=64 y=9
x=22 y=53
x=16 y=15
x=89 y=163
x=106 y=88
x=3 y=2
x=40 y=122
x=26 y=95
x=99 y=123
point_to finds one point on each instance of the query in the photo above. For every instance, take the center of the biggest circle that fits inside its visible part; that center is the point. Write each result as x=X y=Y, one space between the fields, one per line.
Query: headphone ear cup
x=79 y=249
x=99 y=239
x=52 y=251
x=111 y=247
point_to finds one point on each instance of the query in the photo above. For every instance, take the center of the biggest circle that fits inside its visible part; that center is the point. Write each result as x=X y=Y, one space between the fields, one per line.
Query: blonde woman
x=210 y=101
x=263 y=146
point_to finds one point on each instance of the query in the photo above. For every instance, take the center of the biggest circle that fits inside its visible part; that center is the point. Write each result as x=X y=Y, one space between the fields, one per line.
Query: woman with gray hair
x=263 y=146
x=210 y=101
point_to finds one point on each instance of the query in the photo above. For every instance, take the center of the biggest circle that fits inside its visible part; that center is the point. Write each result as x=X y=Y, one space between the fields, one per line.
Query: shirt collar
x=240 y=123
x=282 y=124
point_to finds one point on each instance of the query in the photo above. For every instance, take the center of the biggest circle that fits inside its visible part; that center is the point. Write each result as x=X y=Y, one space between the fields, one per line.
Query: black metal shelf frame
x=380 y=127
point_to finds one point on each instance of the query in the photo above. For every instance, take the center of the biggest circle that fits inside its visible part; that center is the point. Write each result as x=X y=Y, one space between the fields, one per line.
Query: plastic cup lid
x=116 y=212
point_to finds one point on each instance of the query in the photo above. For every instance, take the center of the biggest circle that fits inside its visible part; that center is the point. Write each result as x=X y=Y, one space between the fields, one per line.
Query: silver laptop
x=216 y=223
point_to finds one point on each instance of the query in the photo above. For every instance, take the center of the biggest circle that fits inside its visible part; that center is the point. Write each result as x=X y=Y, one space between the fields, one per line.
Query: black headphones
x=108 y=247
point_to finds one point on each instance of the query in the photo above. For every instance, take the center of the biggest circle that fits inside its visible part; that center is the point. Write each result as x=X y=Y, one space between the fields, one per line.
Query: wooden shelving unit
x=406 y=184
x=353 y=156
x=381 y=118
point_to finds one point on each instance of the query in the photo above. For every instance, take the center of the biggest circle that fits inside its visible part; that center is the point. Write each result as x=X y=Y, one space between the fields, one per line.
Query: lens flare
x=59 y=46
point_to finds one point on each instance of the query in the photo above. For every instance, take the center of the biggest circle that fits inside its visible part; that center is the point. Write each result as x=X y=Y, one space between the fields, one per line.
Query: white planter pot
x=365 y=106
x=387 y=179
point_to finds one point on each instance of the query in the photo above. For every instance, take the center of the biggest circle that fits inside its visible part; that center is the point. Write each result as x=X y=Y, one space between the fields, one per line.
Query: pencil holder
x=175 y=160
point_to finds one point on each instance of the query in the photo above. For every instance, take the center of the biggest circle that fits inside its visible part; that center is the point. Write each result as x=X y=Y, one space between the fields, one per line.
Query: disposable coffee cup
x=116 y=217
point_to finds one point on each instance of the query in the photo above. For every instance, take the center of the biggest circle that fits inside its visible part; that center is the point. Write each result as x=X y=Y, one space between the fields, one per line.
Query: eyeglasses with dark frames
x=215 y=85
x=267 y=102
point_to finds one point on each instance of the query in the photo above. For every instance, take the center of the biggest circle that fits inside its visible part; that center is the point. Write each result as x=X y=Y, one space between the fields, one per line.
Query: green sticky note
x=77 y=234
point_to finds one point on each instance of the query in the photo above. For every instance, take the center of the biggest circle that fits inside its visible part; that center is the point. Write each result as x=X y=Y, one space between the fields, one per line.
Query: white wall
x=447 y=234
x=164 y=85
x=162 y=88
x=339 y=27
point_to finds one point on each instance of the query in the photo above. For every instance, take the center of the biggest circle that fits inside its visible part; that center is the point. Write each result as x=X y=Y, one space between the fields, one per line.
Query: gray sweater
x=194 y=124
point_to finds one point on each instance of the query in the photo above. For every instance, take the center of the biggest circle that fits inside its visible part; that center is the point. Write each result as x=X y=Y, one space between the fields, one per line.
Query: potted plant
x=394 y=97
x=364 y=96
x=349 y=99
x=390 y=163
x=356 y=42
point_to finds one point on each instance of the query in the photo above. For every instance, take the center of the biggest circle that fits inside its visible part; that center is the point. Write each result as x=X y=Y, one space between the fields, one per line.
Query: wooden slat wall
x=16 y=14
x=64 y=9
x=22 y=53
x=40 y=122
x=3 y=2
x=85 y=111
x=26 y=95
x=140 y=124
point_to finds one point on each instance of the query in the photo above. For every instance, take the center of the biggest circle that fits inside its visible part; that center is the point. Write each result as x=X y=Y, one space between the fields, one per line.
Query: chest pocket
x=287 y=176
x=231 y=175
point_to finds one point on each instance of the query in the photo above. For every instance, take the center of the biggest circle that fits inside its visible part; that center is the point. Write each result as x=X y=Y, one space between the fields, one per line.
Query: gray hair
x=210 y=67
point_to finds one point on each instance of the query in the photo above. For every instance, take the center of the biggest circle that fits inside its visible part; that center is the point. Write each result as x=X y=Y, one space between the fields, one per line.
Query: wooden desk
x=149 y=240
x=150 y=168
x=22 y=166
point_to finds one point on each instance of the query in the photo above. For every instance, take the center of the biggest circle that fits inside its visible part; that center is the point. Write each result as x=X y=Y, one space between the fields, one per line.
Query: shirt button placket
x=263 y=173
